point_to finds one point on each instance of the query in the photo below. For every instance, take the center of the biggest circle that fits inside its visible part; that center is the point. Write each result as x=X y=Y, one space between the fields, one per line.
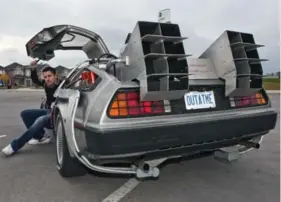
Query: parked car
x=151 y=103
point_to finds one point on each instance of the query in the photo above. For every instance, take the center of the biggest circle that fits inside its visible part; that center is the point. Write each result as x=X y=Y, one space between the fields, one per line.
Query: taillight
x=89 y=76
x=243 y=101
x=128 y=104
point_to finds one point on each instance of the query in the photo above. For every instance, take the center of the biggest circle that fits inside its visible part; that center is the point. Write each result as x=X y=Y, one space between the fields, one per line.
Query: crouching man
x=36 y=120
x=50 y=83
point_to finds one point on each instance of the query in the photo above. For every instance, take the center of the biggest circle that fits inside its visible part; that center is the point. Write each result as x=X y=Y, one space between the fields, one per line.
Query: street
x=31 y=174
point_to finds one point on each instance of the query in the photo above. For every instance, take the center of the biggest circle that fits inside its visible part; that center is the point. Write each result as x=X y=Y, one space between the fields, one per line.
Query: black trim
x=128 y=38
x=174 y=151
x=68 y=48
x=177 y=136
x=62 y=99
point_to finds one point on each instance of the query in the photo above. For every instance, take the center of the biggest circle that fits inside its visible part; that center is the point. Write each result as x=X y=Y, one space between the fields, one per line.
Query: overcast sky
x=200 y=20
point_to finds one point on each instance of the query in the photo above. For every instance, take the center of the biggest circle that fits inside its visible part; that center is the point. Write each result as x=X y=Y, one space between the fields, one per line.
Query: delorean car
x=154 y=102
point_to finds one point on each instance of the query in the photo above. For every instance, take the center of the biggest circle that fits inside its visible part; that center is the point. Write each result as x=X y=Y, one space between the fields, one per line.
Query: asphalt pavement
x=31 y=174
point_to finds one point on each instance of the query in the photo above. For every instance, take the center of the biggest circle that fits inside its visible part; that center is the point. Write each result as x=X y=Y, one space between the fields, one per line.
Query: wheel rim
x=59 y=143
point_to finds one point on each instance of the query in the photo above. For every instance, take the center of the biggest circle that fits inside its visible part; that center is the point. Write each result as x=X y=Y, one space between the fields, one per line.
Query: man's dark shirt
x=48 y=90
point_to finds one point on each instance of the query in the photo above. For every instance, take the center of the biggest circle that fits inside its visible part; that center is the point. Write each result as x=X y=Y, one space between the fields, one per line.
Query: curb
x=24 y=90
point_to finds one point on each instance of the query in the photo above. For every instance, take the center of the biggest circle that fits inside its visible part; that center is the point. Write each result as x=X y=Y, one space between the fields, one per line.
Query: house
x=20 y=75
x=16 y=73
x=27 y=76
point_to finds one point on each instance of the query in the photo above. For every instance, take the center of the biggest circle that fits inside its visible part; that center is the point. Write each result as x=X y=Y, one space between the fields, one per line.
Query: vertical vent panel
x=158 y=61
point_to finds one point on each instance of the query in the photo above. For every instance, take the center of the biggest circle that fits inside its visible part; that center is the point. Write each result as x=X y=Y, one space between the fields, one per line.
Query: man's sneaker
x=43 y=140
x=8 y=150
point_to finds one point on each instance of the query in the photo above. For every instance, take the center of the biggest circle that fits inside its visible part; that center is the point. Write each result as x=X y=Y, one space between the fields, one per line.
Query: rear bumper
x=183 y=136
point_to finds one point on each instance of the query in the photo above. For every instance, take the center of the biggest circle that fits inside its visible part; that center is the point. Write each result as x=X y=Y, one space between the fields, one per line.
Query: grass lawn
x=271 y=83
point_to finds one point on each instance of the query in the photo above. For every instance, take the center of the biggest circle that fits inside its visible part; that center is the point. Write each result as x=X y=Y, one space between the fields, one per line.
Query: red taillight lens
x=244 y=101
x=128 y=104
x=89 y=76
x=132 y=96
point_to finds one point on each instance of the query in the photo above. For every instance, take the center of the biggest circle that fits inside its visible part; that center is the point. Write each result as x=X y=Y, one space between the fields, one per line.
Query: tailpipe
x=145 y=170
x=145 y=167
x=250 y=144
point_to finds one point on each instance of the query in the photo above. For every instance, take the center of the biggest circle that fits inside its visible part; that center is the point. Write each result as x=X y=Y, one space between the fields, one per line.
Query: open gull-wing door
x=65 y=37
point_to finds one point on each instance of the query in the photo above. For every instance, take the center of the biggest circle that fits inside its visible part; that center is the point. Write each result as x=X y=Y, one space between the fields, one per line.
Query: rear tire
x=66 y=165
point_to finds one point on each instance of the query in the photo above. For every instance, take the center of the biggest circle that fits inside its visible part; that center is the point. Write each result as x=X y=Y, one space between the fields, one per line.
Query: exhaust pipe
x=251 y=144
x=145 y=170
x=145 y=167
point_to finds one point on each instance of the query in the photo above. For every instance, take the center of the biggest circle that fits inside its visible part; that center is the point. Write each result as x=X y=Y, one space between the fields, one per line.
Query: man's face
x=49 y=78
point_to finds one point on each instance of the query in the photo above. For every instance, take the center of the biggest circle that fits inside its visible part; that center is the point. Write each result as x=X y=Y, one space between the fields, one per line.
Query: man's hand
x=33 y=64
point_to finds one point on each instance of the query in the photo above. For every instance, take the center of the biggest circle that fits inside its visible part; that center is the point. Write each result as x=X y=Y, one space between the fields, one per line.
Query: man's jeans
x=34 y=131
x=30 y=115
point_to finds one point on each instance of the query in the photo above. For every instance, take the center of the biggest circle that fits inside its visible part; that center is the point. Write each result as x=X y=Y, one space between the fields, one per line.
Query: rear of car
x=204 y=119
x=205 y=103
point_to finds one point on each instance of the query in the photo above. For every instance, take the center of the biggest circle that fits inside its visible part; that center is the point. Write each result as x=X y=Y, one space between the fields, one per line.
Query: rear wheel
x=66 y=165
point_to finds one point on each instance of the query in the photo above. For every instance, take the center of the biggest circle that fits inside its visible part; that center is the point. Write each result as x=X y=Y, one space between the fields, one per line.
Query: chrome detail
x=59 y=143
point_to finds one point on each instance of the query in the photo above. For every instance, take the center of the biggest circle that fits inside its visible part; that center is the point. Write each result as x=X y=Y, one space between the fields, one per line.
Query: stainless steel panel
x=236 y=61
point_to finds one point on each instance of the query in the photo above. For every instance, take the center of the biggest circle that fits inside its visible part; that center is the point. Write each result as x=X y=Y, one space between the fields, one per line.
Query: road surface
x=31 y=174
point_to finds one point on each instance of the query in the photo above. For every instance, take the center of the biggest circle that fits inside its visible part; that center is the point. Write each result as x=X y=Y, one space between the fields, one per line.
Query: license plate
x=199 y=100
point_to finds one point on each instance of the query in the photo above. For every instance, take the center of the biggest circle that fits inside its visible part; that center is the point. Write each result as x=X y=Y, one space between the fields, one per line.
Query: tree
x=4 y=77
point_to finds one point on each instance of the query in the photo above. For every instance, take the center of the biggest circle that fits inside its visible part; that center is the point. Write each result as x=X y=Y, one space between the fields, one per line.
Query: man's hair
x=48 y=68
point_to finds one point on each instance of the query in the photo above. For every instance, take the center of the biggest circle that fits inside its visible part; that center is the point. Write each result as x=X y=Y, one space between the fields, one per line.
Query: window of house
x=27 y=72
x=18 y=71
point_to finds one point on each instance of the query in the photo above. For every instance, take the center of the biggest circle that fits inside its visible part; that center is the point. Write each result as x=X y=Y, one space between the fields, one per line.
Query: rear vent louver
x=157 y=61
x=237 y=61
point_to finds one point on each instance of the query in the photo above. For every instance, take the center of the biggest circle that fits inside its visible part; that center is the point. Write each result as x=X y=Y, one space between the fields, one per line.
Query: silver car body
x=85 y=109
